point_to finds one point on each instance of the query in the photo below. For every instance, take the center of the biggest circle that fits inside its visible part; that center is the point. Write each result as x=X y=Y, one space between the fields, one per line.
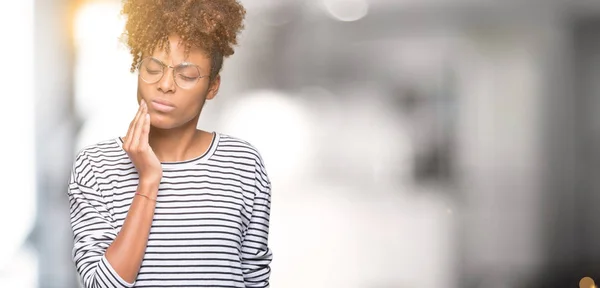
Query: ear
x=213 y=89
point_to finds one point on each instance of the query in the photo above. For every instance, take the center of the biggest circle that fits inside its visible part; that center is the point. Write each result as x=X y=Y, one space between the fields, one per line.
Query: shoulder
x=95 y=153
x=240 y=147
x=99 y=149
x=244 y=149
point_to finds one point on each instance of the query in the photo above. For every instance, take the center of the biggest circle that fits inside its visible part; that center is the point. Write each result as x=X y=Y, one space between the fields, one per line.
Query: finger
x=132 y=125
x=145 y=130
x=137 y=132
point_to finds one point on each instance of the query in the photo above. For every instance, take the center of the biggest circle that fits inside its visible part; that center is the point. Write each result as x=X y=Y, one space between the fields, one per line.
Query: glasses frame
x=165 y=66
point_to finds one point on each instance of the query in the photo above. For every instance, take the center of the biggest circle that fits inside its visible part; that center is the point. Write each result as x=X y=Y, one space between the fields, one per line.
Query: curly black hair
x=211 y=25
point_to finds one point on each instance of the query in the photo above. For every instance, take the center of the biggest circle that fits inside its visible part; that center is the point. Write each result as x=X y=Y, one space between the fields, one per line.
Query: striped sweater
x=211 y=220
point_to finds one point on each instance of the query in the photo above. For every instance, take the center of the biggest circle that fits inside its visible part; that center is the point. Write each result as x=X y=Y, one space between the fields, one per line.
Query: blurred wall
x=56 y=128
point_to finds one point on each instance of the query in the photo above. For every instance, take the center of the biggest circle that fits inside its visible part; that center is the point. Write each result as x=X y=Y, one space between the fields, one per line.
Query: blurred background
x=411 y=143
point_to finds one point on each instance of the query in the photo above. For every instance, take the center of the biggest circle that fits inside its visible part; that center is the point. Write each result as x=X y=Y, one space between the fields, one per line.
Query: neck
x=177 y=144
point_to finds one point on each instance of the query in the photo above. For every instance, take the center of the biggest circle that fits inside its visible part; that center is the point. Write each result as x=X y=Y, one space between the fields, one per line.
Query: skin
x=154 y=137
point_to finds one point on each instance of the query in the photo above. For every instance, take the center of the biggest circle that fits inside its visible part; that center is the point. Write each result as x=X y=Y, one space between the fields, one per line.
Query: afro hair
x=211 y=25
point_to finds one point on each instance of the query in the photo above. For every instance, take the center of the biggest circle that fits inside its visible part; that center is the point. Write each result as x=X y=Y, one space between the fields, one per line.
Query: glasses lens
x=151 y=70
x=187 y=75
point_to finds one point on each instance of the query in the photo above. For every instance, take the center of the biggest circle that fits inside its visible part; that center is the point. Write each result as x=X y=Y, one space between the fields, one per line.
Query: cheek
x=195 y=99
x=144 y=91
x=193 y=105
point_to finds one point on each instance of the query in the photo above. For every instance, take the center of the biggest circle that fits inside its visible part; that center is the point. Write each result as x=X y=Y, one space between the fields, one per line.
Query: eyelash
x=187 y=78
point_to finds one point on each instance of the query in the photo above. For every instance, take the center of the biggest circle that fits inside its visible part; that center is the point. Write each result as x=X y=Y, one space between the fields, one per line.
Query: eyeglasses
x=185 y=75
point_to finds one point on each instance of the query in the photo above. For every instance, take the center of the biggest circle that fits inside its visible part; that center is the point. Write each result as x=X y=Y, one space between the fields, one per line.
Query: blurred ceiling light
x=96 y=22
x=346 y=10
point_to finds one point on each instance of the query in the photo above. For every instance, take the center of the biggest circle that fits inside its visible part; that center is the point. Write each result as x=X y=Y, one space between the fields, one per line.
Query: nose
x=167 y=84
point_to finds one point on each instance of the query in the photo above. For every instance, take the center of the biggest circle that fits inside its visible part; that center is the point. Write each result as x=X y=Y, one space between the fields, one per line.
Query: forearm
x=126 y=253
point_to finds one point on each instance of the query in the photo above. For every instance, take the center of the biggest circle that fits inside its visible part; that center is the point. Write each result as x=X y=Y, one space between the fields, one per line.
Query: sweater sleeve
x=256 y=255
x=92 y=229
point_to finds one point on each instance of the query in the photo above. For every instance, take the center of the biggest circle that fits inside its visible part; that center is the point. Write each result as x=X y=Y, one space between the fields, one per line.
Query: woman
x=168 y=205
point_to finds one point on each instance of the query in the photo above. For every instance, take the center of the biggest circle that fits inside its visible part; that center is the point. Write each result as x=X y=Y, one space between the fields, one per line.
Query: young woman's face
x=176 y=96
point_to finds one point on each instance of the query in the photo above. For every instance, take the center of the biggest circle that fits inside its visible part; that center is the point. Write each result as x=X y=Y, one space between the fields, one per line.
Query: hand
x=137 y=147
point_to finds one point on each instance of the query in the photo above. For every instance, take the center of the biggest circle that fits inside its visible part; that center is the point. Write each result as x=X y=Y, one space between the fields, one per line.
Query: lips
x=162 y=106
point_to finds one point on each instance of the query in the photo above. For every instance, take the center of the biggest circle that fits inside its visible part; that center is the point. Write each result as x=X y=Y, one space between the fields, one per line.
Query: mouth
x=162 y=106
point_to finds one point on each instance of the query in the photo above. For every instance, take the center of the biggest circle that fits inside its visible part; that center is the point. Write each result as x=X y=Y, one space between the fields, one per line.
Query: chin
x=168 y=121
x=163 y=122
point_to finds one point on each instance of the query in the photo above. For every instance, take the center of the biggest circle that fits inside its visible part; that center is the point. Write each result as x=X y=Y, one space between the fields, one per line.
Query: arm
x=103 y=257
x=256 y=255
x=127 y=251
